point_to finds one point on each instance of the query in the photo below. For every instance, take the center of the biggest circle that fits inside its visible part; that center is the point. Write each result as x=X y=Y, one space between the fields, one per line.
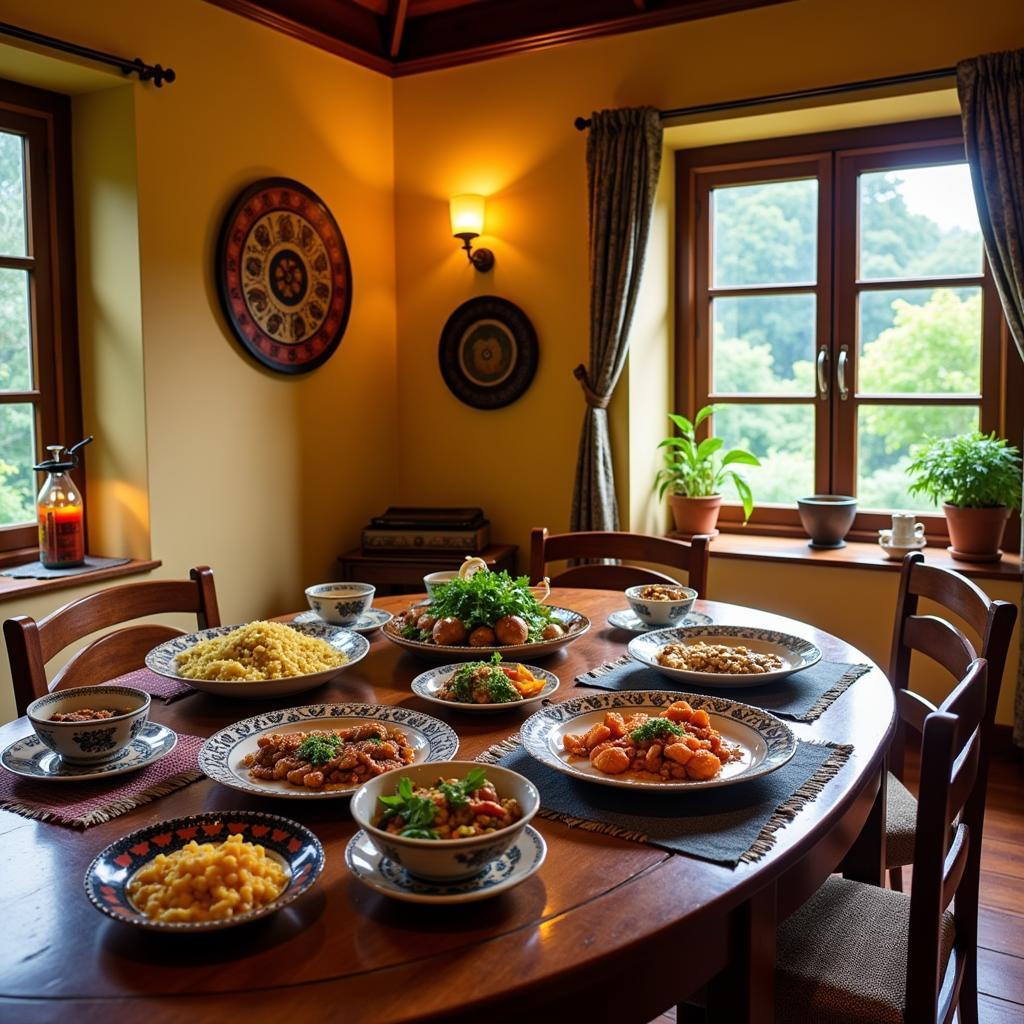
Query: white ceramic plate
x=370 y=621
x=427 y=684
x=32 y=759
x=628 y=620
x=766 y=742
x=383 y=875
x=161 y=660
x=795 y=652
x=222 y=754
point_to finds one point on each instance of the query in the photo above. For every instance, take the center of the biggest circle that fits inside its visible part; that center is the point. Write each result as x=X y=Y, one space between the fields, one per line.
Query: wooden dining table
x=608 y=929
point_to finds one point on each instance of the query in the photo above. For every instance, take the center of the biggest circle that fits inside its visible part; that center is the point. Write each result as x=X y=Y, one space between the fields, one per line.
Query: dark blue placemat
x=802 y=697
x=725 y=825
x=37 y=571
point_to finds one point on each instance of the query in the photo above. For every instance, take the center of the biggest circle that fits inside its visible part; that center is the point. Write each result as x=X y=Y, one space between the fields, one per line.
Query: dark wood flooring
x=1001 y=917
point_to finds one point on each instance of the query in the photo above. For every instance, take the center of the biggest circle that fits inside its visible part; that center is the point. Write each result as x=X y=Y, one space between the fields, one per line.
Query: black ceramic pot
x=827 y=518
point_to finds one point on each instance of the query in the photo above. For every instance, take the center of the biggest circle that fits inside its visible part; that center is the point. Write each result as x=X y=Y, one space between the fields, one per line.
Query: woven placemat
x=37 y=571
x=802 y=697
x=82 y=804
x=726 y=825
x=166 y=689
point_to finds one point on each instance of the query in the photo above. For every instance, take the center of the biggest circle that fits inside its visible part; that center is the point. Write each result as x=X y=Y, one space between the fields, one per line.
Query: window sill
x=11 y=588
x=856 y=555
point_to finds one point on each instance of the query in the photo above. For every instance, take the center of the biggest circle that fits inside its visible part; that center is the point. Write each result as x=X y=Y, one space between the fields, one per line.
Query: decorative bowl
x=340 y=604
x=660 y=613
x=91 y=742
x=827 y=518
x=444 y=860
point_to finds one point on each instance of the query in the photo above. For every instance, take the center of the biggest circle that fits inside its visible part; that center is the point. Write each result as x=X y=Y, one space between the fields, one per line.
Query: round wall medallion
x=488 y=352
x=284 y=276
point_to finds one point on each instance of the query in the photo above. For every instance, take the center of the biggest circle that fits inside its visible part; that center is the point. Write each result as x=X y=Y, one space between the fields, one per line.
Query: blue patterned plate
x=627 y=619
x=383 y=875
x=289 y=843
x=427 y=684
x=161 y=661
x=794 y=652
x=32 y=759
x=222 y=754
x=767 y=743
x=372 y=619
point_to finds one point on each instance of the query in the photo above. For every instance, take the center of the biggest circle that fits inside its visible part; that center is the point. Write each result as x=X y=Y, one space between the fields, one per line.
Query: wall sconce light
x=467 y=213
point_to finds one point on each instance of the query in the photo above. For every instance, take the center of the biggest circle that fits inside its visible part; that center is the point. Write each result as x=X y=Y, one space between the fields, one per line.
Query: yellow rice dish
x=207 y=882
x=258 y=651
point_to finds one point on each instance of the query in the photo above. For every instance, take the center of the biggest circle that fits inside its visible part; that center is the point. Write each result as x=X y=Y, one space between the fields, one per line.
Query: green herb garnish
x=318 y=749
x=488 y=596
x=469 y=678
x=417 y=811
x=655 y=729
x=457 y=793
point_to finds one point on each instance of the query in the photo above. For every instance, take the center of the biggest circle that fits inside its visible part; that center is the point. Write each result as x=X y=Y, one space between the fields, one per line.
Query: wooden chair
x=993 y=622
x=31 y=644
x=690 y=556
x=857 y=952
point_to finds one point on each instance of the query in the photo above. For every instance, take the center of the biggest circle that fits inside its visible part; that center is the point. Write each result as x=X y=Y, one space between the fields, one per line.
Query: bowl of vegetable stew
x=445 y=820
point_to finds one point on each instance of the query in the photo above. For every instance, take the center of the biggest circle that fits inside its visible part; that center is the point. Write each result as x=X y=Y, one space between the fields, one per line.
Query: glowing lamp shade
x=467 y=213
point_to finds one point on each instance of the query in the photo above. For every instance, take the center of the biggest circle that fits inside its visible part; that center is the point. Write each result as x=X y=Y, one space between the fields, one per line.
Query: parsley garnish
x=656 y=728
x=419 y=812
x=318 y=749
x=473 y=675
x=487 y=596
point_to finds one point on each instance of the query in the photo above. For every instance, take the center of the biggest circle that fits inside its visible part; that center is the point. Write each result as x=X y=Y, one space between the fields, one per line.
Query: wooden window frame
x=838 y=156
x=44 y=120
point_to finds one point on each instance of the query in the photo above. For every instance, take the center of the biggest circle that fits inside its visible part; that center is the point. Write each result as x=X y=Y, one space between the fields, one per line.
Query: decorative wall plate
x=284 y=276
x=488 y=352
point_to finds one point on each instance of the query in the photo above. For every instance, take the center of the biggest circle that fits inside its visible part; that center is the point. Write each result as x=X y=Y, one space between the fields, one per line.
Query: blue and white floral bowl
x=90 y=742
x=341 y=604
x=660 y=613
x=444 y=860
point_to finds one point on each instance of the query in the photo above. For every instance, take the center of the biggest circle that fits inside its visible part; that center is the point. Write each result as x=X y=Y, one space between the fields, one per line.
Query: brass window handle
x=844 y=356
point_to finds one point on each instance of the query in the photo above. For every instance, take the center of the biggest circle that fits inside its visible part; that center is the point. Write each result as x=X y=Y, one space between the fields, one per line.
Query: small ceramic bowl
x=434 y=579
x=91 y=742
x=660 y=613
x=444 y=860
x=341 y=604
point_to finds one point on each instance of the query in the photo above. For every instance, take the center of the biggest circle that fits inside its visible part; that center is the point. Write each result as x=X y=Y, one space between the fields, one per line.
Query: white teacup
x=906 y=531
x=433 y=579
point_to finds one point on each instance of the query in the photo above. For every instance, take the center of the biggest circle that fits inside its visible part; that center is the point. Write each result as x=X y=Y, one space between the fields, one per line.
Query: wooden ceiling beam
x=396 y=25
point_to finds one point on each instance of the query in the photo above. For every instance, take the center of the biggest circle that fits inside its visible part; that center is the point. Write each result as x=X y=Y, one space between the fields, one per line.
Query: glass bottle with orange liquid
x=61 y=510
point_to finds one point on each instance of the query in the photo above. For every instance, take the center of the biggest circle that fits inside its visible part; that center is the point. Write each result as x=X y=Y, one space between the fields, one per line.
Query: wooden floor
x=1001 y=918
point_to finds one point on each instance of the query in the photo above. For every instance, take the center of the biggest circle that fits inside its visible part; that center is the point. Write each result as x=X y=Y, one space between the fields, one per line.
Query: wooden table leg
x=865 y=861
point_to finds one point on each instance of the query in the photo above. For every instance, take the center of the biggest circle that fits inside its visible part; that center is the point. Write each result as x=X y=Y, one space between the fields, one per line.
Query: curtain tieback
x=594 y=400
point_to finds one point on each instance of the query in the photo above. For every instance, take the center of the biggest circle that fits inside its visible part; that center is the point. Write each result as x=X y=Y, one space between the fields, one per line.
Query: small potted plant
x=694 y=473
x=977 y=477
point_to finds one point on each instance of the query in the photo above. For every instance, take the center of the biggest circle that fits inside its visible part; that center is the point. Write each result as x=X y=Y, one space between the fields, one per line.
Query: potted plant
x=694 y=472
x=977 y=477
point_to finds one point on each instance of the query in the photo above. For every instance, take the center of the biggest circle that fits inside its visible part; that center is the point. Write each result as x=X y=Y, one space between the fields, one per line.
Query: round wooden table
x=607 y=929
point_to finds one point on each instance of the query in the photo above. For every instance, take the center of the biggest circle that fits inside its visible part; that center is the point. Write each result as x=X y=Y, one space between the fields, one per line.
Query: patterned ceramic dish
x=31 y=759
x=340 y=604
x=294 y=847
x=161 y=660
x=370 y=621
x=427 y=684
x=766 y=742
x=444 y=860
x=627 y=620
x=383 y=875
x=574 y=623
x=795 y=653
x=660 y=613
x=222 y=754
x=90 y=742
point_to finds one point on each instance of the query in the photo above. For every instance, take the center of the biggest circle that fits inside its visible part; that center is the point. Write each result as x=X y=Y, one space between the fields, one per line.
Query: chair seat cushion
x=842 y=957
x=900 y=823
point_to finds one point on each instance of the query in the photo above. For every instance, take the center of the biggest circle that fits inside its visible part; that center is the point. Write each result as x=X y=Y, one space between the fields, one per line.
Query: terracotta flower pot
x=976 y=533
x=695 y=515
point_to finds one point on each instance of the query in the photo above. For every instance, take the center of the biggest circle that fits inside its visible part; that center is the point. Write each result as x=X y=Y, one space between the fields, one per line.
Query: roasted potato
x=482 y=636
x=449 y=631
x=511 y=629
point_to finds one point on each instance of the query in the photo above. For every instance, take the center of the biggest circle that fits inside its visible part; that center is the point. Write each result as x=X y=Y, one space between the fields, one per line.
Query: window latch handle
x=844 y=356
x=822 y=366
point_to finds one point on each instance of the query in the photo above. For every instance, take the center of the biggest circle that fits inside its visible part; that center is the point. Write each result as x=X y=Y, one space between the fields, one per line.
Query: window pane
x=782 y=437
x=918 y=222
x=920 y=341
x=17 y=456
x=763 y=344
x=885 y=434
x=765 y=234
x=15 y=332
x=12 y=195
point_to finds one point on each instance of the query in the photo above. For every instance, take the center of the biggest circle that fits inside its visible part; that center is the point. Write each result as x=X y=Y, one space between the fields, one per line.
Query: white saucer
x=627 y=619
x=382 y=875
x=32 y=759
x=896 y=552
x=370 y=620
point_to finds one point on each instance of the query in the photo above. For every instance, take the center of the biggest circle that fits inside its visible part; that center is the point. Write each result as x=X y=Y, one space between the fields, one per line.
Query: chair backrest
x=947 y=848
x=689 y=556
x=31 y=644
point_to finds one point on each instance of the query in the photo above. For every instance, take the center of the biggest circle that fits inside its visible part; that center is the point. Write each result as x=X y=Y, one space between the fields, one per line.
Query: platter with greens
x=485 y=687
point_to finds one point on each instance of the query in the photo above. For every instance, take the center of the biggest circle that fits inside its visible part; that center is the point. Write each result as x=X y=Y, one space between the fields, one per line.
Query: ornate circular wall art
x=488 y=352
x=284 y=276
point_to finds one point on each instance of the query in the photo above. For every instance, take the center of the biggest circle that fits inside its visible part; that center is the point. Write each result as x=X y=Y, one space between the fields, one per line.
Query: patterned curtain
x=623 y=160
x=992 y=105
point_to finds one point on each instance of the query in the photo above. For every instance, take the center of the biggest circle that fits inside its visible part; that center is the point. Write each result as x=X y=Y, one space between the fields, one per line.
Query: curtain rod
x=146 y=72
x=583 y=123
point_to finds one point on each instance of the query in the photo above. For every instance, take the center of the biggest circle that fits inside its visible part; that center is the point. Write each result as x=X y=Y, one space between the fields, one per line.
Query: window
x=839 y=310
x=39 y=391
